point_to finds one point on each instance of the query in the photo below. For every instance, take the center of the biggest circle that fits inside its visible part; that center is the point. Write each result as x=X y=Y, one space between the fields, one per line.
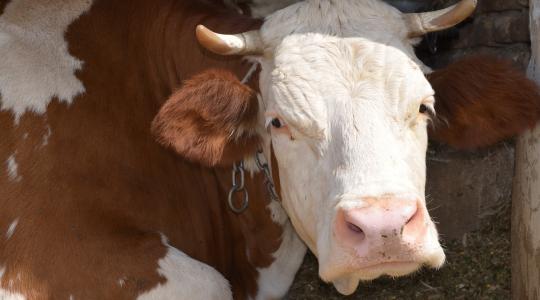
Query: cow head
x=345 y=104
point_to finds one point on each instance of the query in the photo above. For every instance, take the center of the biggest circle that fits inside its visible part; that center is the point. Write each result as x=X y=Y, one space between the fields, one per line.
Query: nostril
x=354 y=228
x=415 y=226
x=349 y=228
x=409 y=221
x=414 y=216
x=356 y=234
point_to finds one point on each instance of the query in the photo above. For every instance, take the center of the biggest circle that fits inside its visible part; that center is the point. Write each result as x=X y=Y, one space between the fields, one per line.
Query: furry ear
x=482 y=100
x=211 y=119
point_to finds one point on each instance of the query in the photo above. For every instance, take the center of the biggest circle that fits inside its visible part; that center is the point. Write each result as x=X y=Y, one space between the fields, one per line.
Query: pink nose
x=384 y=224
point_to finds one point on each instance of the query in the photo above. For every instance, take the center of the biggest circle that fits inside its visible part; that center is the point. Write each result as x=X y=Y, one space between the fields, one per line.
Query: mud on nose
x=385 y=221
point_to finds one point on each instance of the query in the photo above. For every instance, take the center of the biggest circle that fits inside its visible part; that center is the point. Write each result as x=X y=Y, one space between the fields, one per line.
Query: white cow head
x=346 y=105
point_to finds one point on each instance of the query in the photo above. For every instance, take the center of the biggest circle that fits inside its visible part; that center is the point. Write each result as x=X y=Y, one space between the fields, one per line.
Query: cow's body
x=86 y=194
x=91 y=207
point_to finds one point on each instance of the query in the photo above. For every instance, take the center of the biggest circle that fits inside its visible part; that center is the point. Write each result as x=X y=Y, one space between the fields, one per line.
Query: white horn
x=422 y=23
x=230 y=44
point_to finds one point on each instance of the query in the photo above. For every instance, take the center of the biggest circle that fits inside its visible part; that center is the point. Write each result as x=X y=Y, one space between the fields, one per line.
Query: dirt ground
x=478 y=267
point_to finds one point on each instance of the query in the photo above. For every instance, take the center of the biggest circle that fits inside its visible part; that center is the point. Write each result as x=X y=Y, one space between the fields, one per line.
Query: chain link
x=238 y=181
x=268 y=181
x=238 y=172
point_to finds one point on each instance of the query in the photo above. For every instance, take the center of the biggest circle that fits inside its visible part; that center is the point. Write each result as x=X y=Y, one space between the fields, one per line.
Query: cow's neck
x=166 y=42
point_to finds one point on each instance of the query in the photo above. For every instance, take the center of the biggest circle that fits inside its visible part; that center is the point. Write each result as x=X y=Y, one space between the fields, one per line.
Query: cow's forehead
x=314 y=75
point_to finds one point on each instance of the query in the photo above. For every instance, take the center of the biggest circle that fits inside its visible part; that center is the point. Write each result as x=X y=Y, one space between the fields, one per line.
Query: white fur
x=13 y=168
x=122 y=282
x=46 y=136
x=11 y=229
x=187 y=279
x=343 y=77
x=36 y=65
x=262 y=8
x=7 y=294
x=275 y=281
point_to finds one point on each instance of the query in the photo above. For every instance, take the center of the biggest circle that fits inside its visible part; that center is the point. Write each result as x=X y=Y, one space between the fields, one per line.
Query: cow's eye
x=423 y=109
x=276 y=123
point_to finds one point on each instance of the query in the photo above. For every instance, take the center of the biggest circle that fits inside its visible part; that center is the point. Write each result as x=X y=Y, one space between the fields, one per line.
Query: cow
x=332 y=105
x=259 y=8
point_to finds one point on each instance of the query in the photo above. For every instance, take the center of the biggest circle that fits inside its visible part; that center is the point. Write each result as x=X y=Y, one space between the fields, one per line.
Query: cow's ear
x=211 y=119
x=482 y=100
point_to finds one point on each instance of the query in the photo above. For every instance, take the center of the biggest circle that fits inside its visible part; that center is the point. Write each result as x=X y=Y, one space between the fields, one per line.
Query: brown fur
x=91 y=204
x=210 y=120
x=481 y=100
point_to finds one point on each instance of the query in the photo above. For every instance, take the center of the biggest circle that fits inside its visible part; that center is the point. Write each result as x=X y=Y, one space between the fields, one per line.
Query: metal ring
x=260 y=164
x=245 y=201
x=238 y=171
x=271 y=189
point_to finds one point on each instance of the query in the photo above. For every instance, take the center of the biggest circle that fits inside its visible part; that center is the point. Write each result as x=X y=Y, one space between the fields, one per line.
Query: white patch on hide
x=275 y=281
x=11 y=229
x=277 y=213
x=187 y=279
x=13 y=169
x=6 y=294
x=46 y=137
x=36 y=65
x=122 y=281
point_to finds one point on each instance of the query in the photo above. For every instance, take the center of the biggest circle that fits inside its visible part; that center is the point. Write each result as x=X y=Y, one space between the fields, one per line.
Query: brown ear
x=211 y=119
x=482 y=100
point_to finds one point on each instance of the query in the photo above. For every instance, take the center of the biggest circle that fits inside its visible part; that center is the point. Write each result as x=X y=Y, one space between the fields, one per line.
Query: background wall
x=467 y=187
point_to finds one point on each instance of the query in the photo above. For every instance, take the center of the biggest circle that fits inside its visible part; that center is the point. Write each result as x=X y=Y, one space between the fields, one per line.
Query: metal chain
x=238 y=169
x=268 y=181
x=238 y=187
x=238 y=181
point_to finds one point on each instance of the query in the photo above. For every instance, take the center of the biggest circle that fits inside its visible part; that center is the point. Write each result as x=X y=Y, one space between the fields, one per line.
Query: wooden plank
x=526 y=193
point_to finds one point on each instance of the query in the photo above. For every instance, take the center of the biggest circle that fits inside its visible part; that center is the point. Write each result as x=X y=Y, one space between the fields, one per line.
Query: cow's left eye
x=276 y=123
x=423 y=109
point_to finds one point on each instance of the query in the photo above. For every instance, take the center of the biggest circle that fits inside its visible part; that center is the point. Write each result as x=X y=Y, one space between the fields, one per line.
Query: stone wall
x=465 y=187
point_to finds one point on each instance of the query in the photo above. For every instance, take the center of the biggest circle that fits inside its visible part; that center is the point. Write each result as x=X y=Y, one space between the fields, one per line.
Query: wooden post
x=526 y=194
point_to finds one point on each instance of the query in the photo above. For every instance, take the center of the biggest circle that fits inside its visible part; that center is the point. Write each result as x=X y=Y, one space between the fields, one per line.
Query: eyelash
x=427 y=110
x=278 y=126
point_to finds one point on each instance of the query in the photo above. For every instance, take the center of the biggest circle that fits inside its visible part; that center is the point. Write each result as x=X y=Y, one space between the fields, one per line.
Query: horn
x=230 y=44
x=422 y=23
